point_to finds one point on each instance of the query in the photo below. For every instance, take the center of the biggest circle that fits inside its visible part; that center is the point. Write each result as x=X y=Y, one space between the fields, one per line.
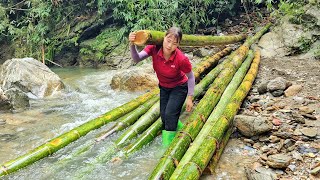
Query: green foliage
x=162 y=14
x=99 y=47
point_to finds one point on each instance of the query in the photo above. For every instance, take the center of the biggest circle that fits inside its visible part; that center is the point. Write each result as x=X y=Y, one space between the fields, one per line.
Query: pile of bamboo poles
x=141 y=117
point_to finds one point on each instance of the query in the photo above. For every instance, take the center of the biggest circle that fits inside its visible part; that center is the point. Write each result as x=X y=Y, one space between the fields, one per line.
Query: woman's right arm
x=136 y=56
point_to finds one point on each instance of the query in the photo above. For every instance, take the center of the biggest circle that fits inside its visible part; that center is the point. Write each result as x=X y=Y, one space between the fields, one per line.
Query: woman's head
x=171 y=40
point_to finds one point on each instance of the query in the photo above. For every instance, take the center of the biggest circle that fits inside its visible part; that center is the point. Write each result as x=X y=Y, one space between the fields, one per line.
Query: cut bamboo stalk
x=210 y=62
x=181 y=142
x=142 y=124
x=144 y=37
x=200 y=140
x=210 y=169
x=129 y=118
x=194 y=168
x=61 y=141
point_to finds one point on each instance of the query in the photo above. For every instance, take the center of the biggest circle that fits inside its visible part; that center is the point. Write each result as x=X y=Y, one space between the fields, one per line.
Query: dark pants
x=171 y=101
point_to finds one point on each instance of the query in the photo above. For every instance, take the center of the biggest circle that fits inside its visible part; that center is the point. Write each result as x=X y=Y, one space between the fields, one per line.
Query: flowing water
x=87 y=95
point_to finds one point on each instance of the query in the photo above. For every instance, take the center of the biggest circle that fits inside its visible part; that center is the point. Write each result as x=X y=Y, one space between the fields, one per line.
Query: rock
x=306 y=109
x=315 y=171
x=292 y=167
x=29 y=76
x=18 y=99
x=134 y=80
x=310 y=132
x=272 y=46
x=276 y=84
x=260 y=173
x=309 y=116
x=292 y=90
x=252 y=126
x=279 y=161
x=202 y=52
x=288 y=143
x=296 y=155
x=4 y=101
x=262 y=88
x=277 y=93
x=304 y=150
x=276 y=122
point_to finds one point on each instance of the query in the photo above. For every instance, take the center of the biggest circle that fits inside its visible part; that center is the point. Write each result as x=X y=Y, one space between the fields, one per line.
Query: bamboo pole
x=225 y=98
x=180 y=144
x=194 y=168
x=144 y=37
x=210 y=169
x=61 y=141
x=129 y=118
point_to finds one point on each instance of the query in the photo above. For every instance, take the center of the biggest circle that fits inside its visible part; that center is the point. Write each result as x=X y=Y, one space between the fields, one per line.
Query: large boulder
x=136 y=79
x=30 y=76
x=294 y=35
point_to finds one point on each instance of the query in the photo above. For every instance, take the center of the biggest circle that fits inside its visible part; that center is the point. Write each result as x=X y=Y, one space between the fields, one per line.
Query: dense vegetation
x=46 y=27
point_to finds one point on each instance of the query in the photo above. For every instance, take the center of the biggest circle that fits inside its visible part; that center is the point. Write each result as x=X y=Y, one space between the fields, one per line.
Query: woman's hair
x=176 y=32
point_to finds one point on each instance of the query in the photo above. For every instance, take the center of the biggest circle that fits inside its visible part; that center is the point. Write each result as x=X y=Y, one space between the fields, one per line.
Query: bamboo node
x=4 y=169
x=77 y=133
x=186 y=133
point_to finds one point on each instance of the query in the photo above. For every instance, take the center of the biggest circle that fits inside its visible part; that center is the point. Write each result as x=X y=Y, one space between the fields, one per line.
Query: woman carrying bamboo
x=176 y=79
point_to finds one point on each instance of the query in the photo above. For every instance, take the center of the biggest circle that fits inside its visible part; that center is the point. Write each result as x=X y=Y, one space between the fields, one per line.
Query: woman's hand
x=189 y=103
x=132 y=37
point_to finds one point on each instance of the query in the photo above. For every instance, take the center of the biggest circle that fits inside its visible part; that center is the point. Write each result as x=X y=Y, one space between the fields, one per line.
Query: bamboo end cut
x=141 y=37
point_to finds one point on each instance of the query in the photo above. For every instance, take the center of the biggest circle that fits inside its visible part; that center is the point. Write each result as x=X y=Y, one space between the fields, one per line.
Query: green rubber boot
x=180 y=125
x=167 y=137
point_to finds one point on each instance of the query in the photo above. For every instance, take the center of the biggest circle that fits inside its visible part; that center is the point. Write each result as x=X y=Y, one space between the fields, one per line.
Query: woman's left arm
x=191 y=84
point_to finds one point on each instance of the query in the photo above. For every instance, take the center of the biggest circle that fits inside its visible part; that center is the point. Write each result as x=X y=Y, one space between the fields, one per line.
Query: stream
x=87 y=95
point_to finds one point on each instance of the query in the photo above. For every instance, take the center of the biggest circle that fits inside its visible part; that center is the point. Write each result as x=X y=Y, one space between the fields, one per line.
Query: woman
x=176 y=79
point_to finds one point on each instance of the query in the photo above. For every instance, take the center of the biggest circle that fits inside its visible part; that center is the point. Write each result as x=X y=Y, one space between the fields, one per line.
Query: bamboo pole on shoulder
x=181 y=142
x=193 y=168
x=145 y=37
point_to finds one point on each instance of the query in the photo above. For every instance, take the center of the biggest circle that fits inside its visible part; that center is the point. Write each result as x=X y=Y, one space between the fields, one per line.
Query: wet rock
x=260 y=173
x=292 y=90
x=134 y=80
x=279 y=161
x=18 y=99
x=29 y=76
x=251 y=126
x=310 y=132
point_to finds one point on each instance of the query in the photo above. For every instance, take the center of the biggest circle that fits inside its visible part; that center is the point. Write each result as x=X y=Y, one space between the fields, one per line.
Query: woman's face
x=170 y=43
